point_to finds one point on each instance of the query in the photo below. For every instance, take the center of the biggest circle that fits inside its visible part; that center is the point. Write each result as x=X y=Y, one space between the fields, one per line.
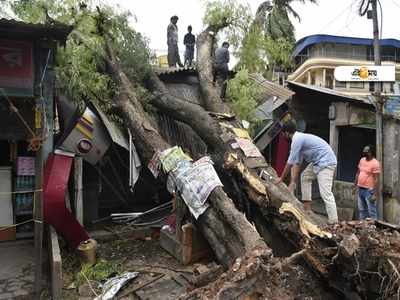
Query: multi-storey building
x=343 y=113
x=317 y=56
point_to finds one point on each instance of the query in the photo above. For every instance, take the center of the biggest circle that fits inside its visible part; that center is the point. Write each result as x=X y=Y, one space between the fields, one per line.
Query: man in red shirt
x=367 y=182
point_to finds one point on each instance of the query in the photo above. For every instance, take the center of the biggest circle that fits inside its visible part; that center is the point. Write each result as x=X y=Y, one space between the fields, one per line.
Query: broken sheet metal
x=306 y=227
x=113 y=285
x=134 y=163
x=249 y=149
x=169 y=158
x=195 y=182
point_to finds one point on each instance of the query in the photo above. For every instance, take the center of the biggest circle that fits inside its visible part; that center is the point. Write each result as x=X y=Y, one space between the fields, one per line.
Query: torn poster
x=195 y=182
x=241 y=133
x=154 y=164
x=169 y=158
x=248 y=148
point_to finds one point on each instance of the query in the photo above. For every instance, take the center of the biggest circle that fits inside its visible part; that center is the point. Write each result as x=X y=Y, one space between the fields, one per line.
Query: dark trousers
x=189 y=55
x=220 y=77
x=366 y=204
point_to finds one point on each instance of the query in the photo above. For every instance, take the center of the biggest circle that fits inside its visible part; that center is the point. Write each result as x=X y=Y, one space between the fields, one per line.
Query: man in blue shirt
x=321 y=164
x=189 y=40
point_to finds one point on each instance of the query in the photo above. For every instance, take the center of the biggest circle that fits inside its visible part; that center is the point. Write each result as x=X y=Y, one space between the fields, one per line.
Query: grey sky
x=337 y=17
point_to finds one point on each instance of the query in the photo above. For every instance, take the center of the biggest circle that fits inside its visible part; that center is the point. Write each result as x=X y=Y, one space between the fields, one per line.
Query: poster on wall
x=16 y=67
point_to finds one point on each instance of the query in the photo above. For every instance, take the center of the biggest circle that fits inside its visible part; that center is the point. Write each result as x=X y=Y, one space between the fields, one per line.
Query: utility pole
x=379 y=108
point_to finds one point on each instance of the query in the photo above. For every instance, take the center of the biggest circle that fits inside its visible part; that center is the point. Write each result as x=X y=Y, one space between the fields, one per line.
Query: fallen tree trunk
x=228 y=231
x=332 y=257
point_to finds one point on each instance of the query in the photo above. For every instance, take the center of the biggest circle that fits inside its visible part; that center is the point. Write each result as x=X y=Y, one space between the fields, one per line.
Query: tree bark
x=205 y=53
x=227 y=230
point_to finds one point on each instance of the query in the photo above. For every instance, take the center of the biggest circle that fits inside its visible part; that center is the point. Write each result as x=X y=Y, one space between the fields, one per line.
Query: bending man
x=321 y=165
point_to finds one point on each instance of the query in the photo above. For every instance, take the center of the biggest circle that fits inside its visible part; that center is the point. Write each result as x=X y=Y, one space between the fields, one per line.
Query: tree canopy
x=80 y=65
x=262 y=42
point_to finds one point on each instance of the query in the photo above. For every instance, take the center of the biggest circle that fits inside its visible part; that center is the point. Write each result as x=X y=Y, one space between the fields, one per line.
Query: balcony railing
x=300 y=59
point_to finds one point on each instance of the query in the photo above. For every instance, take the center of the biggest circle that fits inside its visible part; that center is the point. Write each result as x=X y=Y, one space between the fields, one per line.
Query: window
x=340 y=84
x=357 y=85
x=372 y=86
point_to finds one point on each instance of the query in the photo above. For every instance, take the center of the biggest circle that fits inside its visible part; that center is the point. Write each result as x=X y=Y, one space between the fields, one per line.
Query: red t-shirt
x=367 y=170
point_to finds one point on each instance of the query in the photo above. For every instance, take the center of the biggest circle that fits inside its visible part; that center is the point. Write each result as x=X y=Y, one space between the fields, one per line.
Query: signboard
x=16 y=66
x=365 y=73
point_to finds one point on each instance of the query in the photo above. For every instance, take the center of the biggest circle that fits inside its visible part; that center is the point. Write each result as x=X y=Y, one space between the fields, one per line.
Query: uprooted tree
x=355 y=258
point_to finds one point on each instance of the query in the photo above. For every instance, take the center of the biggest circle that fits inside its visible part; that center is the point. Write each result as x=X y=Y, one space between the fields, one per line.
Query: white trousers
x=325 y=181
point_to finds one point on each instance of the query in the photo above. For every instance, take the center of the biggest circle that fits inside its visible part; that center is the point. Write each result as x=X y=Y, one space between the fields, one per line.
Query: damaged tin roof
x=322 y=90
x=270 y=89
x=14 y=28
x=173 y=70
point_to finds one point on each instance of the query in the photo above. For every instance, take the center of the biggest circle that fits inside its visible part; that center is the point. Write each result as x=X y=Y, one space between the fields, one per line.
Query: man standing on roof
x=221 y=68
x=367 y=182
x=189 y=41
x=172 y=41
x=321 y=162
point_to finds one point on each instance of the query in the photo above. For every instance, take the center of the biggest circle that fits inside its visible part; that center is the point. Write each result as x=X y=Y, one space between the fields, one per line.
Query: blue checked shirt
x=312 y=149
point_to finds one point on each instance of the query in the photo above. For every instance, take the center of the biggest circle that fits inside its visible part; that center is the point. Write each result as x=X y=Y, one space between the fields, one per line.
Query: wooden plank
x=55 y=265
x=187 y=243
x=38 y=224
x=45 y=101
x=78 y=197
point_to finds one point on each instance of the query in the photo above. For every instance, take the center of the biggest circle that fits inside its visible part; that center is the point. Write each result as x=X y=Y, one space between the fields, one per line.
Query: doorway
x=351 y=142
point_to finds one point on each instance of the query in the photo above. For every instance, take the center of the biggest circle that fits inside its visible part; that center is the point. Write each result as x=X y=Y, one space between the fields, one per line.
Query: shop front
x=27 y=54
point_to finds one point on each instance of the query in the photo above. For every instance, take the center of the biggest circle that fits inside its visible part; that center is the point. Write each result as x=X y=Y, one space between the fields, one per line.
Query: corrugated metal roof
x=359 y=99
x=178 y=133
x=173 y=70
x=113 y=130
x=270 y=89
x=10 y=28
x=324 y=38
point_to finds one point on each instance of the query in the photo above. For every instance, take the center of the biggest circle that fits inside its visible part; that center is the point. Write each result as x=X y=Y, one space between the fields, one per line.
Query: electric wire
x=362 y=11
x=394 y=2
x=336 y=17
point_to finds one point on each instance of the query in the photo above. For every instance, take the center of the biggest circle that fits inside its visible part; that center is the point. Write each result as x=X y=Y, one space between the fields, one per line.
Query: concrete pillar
x=309 y=77
x=334 y=136
x=324 y=77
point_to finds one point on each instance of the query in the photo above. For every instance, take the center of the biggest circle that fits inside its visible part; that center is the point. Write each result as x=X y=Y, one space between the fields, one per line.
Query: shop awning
x=296 y=86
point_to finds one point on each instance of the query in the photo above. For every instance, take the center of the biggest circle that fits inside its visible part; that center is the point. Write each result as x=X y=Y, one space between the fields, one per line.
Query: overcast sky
x=336 y=17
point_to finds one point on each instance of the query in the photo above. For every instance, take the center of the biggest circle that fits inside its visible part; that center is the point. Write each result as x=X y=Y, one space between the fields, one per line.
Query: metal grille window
x=357 y=85
x=340 y=84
